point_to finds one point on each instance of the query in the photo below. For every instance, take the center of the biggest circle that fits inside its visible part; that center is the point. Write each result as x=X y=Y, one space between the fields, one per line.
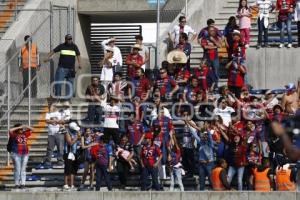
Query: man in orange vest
x=283 y=180
x=262 y=178
x=219 y=176
x=24 y=65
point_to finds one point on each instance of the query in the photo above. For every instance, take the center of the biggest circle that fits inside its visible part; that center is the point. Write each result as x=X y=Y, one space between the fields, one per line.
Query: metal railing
x=46 y=35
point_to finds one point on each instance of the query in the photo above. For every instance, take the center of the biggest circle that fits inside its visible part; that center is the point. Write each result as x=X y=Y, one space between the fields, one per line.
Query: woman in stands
x=17 y=146
x=228 y=33
x=244 y=15
x=87 y=141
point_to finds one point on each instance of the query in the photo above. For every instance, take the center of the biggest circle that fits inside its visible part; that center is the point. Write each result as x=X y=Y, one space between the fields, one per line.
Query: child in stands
x=244 y=15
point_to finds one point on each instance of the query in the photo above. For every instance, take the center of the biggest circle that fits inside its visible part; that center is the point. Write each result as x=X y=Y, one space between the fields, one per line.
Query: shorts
x=71 y=166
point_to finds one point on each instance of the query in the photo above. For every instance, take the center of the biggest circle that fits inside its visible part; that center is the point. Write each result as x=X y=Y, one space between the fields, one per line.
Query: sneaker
x=258 y=46
x=22 y=187
x=72 y=187
x=280 y=46
x=247 y=46
x=289 y=45
x=66 y=187
x=132 y=169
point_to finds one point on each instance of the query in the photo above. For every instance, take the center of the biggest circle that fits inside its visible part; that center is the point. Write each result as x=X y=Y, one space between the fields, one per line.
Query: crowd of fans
x=179 y=124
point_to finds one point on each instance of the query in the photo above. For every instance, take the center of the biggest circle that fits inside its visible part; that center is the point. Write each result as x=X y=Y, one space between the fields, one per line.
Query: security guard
x=66 y=66
x=219 y=176
x=283 y=181
x=24 y=65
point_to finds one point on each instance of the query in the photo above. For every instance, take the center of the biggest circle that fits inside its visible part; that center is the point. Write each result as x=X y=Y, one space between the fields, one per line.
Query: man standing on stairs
x=210 y=45
x=66 y=66
x=24 y=65
x=53 y=120
x=181 y=28
x=116 y=60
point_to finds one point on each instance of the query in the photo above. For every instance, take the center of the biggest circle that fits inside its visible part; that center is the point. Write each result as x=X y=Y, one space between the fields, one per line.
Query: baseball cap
x=290 y=86
x=68 y=36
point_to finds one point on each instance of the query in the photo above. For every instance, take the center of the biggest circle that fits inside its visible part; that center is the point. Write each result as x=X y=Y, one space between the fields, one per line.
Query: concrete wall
x=272 y=67
x=28 y=22
x=151 y=196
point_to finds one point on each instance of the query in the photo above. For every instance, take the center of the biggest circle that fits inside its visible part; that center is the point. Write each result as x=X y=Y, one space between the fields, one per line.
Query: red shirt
x=165 y=85
x=149 y=155
x=135 y=132
x=238 y=49
x=182 y=74
x=202 y=74
x=211 y=54
x=19 y=145
x=142 y=86
x=285 y=9
x=236 y=76
x=134 y=58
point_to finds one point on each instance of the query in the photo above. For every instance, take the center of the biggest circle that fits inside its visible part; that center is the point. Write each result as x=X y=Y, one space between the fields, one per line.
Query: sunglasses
x=162 y=72
x=182 y=21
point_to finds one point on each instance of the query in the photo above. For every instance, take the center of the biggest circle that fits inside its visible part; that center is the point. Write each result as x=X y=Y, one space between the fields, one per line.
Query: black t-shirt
x=68 y=53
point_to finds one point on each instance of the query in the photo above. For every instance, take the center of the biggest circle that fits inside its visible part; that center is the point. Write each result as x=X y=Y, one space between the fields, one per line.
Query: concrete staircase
x=9 y=10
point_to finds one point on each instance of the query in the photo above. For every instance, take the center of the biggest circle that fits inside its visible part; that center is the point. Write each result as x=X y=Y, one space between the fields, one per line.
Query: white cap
x=74 y=126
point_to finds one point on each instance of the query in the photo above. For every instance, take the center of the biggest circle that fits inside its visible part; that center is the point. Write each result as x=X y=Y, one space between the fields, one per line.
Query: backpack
x=9 y=145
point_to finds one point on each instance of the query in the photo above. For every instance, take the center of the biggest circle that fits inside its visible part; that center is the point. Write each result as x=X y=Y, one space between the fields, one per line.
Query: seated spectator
x=166 y=85
x=18 y=147
x=262 y=178
x=185 y=46
x=140 y=86
x=116 y=60
x=210 y=45
x=289 y=100
x=144 y=52
x=94 y=94
x=286 y=10
x=181 y=28
x=236 y=74
x=134 y=61
x=244 y=15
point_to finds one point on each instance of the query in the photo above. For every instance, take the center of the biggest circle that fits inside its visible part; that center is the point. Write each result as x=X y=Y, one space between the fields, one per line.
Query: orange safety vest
x=283 y=180
x=262 y=181
x=25 y=56
x=215 y=179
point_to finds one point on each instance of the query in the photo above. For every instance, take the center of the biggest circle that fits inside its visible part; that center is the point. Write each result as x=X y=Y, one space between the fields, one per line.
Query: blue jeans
x=261 y=29
x=20 y=163
x=232 y=171
x=288 y=24
x=101 y=171
x=205 y=171
x=176 y=175
x=215 y=64
x=60 y=75
x=154 y=175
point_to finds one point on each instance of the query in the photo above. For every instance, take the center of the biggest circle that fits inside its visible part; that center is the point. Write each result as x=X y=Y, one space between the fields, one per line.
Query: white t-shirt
x=143 y=53
x=53 y=129
x=176 y=31
x=154 y=113
x=271 y=104
x=225 y=114
x=111 y=115
x=117 y=57
x=107 y=73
